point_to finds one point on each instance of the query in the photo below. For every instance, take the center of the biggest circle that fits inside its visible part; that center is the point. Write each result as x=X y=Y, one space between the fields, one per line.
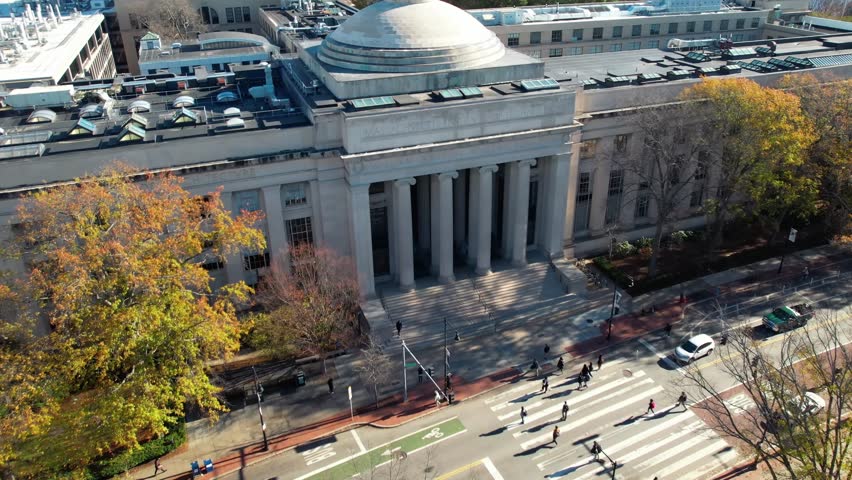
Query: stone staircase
x=477 y=306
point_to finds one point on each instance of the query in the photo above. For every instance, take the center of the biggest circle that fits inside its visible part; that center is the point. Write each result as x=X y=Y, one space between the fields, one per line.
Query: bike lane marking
x=414 y=442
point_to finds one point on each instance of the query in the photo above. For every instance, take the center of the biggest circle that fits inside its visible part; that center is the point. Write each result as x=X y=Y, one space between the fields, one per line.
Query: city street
x=484 y=438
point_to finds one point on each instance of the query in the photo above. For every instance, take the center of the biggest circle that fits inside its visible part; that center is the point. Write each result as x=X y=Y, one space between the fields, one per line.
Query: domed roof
x=404 y=36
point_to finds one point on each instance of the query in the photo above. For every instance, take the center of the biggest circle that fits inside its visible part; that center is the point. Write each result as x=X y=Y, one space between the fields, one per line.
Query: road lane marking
x=532 y=406
x=411 y=443
x=459 y=470
x=664 y=358
x=536 y=388
x=674 y=451
x=698 y=455
x=726 y=459
x=530 y=386
x=358 y=440
x=739 y=403
x=641 y=397
x=489 y=465
x=557 y=407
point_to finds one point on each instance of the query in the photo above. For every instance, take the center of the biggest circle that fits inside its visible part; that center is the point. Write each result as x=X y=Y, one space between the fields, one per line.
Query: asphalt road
x=483 y=438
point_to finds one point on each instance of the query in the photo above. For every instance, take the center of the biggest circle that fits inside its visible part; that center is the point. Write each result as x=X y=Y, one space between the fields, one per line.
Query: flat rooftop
x=50 y=60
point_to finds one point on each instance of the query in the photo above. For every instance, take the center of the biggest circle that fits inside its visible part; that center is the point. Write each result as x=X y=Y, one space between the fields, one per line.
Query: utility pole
x=258 y=389
x=616 y=297
x=791 y=239
x=446 y=359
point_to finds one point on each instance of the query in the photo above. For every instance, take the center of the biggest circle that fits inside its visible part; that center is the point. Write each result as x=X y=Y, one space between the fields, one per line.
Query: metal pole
x=404 y=377
x=259 y=410
x=445 y=356
x=611 y=311
x=431 y=379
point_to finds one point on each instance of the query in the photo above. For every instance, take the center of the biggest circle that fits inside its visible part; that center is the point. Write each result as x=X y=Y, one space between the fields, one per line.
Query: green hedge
x=148 y=451
x=612 y=271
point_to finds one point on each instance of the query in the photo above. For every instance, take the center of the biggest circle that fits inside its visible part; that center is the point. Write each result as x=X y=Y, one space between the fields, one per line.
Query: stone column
x=404 y=232
x=600 y=194
x=277 y=241
x=423 y=212
x=459 y=211
x=573 y=179
x=316 y=210
x=557 y=180
x=521 y=213
x=473 y=216
x=391 y=206
x=361 y=238
x=481 y=236
x=442 y=224
x=434 y=224
x=234 y=267
x=510 y=189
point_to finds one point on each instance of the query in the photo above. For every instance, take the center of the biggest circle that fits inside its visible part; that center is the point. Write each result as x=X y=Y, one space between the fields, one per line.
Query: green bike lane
x=395 y=450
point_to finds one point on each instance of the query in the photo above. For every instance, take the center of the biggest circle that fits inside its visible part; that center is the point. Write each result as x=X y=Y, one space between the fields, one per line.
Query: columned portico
x=442 y=224
x=361 y=238
x=480 y=230
x=556 y=178
x=404 y=232
x=520 y=211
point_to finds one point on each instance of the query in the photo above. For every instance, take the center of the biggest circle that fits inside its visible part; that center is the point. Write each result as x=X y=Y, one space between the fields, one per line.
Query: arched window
x=209 y=15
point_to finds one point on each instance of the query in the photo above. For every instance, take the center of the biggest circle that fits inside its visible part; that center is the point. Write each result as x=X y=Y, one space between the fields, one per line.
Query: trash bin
x=451 y=397
x=300 y=378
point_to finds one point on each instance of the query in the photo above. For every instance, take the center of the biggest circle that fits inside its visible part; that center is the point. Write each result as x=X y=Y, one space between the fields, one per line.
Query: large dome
x=403 y=36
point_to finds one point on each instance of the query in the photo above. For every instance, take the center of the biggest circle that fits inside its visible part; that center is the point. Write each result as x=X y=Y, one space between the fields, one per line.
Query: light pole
x=791 y=239
x=258 y=389
x=447 y=357
x=615 y=298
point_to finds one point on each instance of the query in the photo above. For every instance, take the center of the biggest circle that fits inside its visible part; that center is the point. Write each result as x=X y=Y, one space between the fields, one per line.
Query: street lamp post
x=612 y=310
x=447 y=358
x=258 y=389
x=791 y=239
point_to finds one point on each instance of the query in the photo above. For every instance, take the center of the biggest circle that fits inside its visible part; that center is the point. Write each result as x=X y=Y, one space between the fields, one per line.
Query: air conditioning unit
x=222 y=80
x=140 y=90
x=181 y=85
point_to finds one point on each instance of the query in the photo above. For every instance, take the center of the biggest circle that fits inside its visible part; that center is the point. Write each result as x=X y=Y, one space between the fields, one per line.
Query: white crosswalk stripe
x=673 y=443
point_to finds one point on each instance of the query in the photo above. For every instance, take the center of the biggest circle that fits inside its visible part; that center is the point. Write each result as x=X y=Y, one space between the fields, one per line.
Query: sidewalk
x=307 y=413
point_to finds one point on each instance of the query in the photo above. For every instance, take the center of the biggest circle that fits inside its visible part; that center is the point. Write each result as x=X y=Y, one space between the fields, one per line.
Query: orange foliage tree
x=115 y=269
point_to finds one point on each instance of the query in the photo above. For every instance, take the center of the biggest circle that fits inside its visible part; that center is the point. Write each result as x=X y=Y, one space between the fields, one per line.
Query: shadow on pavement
x=627 y=421
x=533 y=450
x=496 y=431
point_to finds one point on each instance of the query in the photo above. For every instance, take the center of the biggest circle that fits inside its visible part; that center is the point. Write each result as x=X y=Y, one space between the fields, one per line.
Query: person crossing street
x=523 y=415
x=681 y=400
x=591 y=368
x=565 y=411
x=600 y=361
x=555 y=434
x=560 y=365
x=651 y=407
x=545 y=385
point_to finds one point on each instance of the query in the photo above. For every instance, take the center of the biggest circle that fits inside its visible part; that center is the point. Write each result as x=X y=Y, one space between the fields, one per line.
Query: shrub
x=146 y=452
x=644 y=242
x=623 y=249
x=611 y=271
x=645 y=252
x=680 y=236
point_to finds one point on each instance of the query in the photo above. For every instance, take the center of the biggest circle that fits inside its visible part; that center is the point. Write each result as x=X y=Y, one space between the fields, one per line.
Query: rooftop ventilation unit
x=183 y=101
x=138 y=106
x=42 y=116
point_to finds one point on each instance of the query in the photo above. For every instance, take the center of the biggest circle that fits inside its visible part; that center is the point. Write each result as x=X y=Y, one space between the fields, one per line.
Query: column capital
x=271 y=188
x=488 y=169
x=356 y=189
x=448 y=175
x=530 y=162
x=407 y=181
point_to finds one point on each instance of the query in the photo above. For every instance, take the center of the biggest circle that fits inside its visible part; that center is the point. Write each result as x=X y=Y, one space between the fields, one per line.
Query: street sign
x=617 y=297
x=410 y=364
x=792 y=237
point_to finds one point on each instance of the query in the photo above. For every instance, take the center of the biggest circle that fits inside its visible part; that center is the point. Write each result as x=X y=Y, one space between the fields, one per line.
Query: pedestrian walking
x=437 y=398
x=651 y=407
x=330 y=386
x=560 y=365
x=681 y=400
x=600 y=361
x=596 y=449
x=565 y=410
x=584 y=371
x=157 y=467
x=398 y=327
x=546 y=349
x=555 y=434
x=582 y=380
x=535 y=366
x=523 y=415
x=591 y=368
x=419 y=374
x=545 y=385
x=668 y=329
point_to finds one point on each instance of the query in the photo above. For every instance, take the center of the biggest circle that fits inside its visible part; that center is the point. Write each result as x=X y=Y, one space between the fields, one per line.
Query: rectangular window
x=740 y=23
x=620 y=143
x=653 y=44
x=535 y=38
x=613 y=200
x=616 y=31
x=584 y=201
x=690 y=27
x=655 y=29
x=216 y=264
x=708 y=25
x=634 y=45
x=248 y=201
x=673 y=27
x=636 y=31
x=299 y=231
x=588 y=148
x=755 y=22
x=253 y=262
x=641 y=206
x=597 y=33
x=738 y=37
x=295 y=194
x=577 y=34
x=555 y=52
x=576 y=50
x=723 y=25
x=615 y=47
x=597 y=49
x=246 y=15
x=556 y=36
x=229 y=15
x=514 y=39
x=535 y=53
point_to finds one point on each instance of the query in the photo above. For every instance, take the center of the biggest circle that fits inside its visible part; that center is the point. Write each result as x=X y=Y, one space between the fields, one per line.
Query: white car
x=809 y=404
x=696 y=347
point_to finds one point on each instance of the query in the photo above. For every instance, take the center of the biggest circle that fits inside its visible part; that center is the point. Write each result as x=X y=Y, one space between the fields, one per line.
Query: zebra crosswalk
x=671 y=443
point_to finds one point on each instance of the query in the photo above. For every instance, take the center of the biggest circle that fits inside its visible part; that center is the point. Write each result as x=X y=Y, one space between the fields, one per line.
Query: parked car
x=808 y=404
x=696 y=347
x=787 y=318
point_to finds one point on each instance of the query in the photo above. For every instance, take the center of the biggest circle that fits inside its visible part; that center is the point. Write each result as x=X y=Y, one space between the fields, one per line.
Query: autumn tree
x=828 y=106
x=663 y=169
x=310 y=302
x=761 y=138
x=115 y=268
x=172 y=20
x=776 y=426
